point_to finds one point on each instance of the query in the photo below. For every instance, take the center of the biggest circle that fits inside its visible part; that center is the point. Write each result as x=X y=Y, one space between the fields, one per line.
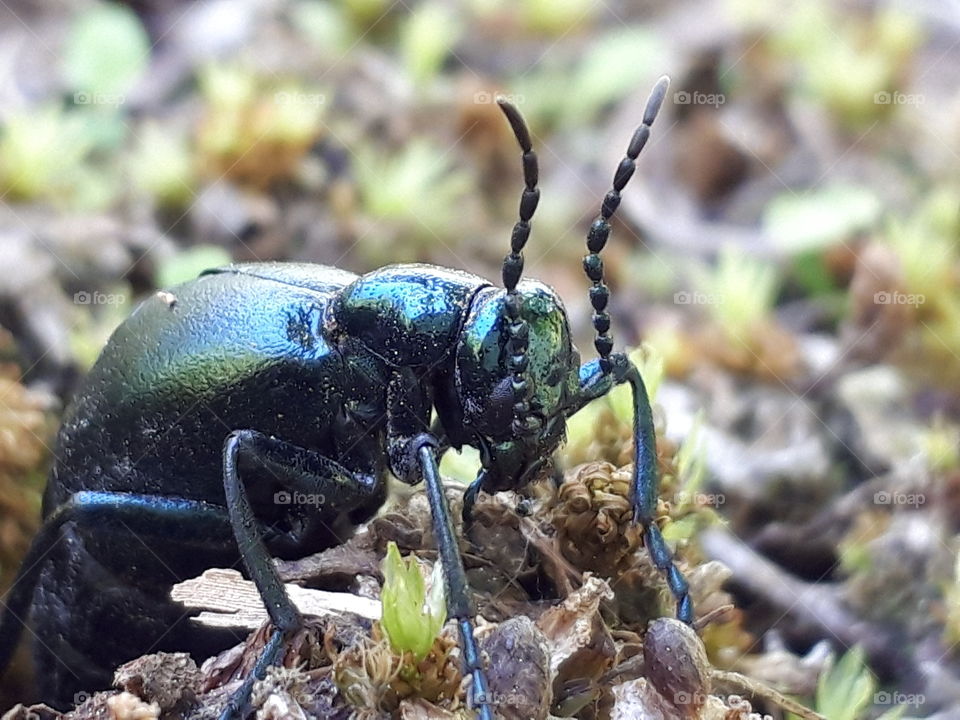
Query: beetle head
x=514 y=444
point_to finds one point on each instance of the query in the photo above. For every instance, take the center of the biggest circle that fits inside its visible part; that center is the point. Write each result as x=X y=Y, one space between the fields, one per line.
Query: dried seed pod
x=518 y=670
x=581 y=647
x=167 y=679
x=594 y=519
x=676 y=663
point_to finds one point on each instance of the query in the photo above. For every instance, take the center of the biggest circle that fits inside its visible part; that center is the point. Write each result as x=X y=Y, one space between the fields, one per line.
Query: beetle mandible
x=322 y=382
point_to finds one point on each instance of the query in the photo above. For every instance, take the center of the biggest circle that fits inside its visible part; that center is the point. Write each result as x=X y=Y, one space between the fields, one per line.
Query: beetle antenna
x=599 y=231
x=517 y=330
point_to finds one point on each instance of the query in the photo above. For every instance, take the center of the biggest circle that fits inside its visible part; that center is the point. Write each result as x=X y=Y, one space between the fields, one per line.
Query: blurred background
x=787 y=253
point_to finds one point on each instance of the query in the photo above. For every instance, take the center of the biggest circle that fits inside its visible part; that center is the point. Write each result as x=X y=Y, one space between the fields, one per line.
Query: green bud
x=411 y=619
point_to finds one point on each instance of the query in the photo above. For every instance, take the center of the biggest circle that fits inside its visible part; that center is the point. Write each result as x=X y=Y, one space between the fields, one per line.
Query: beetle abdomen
x=231 y=350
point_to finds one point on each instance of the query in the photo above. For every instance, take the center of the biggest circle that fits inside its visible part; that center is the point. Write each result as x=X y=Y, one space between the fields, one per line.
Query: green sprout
x=426 y=40
x=161 y=166
x=557 y=17
x=255 y=129
x=107 y=49
x=873 y=54
x=941 y=445
x=740 y=294
x=42 y=154
x=412 y=618
x=846 y=690
x=927 y=260
x=951 y=630
x=419 y=190
x=569 y=92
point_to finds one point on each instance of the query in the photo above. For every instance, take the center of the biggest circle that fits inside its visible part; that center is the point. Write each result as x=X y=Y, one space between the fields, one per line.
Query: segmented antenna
x=599 y=231
x=517 y=330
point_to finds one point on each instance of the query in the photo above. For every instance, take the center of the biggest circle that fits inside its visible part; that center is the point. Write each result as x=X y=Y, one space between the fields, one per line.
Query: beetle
x=217 y=399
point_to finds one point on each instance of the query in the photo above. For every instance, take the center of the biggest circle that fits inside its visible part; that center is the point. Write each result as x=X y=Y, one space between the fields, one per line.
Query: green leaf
x=161 y=165
x=820 y=217
x=426 y=39
x=41 y=153
x=107 y=50
x=189 y=263
x=323 y=24
x=739 y=292
x=633 y=51
x=845 y=690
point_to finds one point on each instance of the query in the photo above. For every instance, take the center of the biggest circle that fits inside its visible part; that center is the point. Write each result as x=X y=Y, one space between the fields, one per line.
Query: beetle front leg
x=413 y=454
x=459 y=604
x=645 y=488
x=299 y=469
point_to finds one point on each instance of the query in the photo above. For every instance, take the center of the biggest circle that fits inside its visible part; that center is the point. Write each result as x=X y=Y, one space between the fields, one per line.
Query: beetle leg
x=200 y=520
x=459 y=605
x=408 y=416
x=299 y=469
x=470 y=497
x=645 y=488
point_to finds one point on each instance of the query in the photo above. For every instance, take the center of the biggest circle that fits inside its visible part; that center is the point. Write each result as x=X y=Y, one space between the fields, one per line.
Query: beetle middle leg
x=298 y=469
x=595 y=383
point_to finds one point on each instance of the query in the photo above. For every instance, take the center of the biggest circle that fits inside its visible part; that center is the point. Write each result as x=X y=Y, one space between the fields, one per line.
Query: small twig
x=761 y=690
x=230 y=601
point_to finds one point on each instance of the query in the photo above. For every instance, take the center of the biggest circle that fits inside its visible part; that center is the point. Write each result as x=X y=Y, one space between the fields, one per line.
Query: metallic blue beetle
x=281 y=378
